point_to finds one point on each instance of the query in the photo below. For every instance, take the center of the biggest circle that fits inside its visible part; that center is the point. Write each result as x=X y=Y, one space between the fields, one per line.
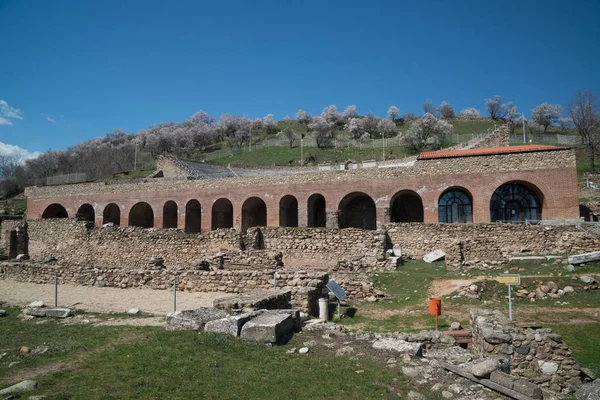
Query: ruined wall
x=319 y=247
x=536 y=354
x=75 y=243
x=305 y=286
x=473 y=243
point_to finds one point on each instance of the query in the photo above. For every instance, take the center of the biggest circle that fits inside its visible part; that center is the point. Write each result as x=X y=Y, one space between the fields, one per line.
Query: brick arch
x=86 y=212
x=142 y=215
x=254 y=213
x=111 y=214
x=55 y=210
x=170 y=214
x=288 y=211
x=406 y=206
x=357 y=210
x=222 y=214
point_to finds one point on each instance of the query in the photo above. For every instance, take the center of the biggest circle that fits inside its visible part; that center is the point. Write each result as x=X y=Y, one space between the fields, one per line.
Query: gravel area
x=90 y=298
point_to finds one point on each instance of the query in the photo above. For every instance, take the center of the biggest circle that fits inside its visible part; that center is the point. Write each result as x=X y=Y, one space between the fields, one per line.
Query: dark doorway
x=317 y=216
x=357 y=210
x=406 y=206
x=111 y=214
x=170 y=215
x=55 y=211
x=254 y=213
x=288 y=211
x=86 y=213
x=141 y=215
x=222 y=214
x=193 y=216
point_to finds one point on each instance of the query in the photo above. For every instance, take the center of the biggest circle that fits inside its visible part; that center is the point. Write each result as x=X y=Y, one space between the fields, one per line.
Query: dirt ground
x=95 y=299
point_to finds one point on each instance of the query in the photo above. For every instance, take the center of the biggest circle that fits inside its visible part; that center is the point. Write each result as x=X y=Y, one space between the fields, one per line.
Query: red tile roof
x=527 y=148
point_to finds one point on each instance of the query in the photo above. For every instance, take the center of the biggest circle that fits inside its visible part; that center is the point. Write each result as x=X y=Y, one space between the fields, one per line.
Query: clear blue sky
x=78 y=69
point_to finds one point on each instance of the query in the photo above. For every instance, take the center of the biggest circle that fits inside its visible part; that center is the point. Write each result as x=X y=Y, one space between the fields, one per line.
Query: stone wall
x=321 y=247
x=468 y=244
x=76 y=243
x=306 y=286
x=535 y=354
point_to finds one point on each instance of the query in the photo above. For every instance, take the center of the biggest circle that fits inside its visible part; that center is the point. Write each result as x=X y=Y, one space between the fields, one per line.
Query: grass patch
x=149 y=362
x=581 y=338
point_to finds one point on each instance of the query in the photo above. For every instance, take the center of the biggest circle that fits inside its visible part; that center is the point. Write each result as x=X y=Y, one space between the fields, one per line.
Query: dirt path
x=89 y=298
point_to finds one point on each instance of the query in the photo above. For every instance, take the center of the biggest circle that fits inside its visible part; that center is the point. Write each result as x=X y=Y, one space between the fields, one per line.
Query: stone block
x=229 y=325
x=23 y=386
x=584 y=258
x=527 y=260
x=435 y=255
x=484 y=368
x=56 y=312
x=503 y=379
x=528 y=389
x=589 y=391
x=268 y=327
x=399 y=346
x=193 y=320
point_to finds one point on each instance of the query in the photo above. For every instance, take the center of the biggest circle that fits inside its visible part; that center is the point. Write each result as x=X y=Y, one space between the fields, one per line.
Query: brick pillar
x=331 y=219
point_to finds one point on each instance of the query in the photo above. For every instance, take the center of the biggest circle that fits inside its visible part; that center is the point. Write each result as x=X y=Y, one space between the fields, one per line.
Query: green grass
x=152 y=363
x=581 y=338
x=286 y=156
x=14 y=207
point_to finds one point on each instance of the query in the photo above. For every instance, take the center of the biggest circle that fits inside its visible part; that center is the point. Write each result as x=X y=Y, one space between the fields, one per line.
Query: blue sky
x=74 y=70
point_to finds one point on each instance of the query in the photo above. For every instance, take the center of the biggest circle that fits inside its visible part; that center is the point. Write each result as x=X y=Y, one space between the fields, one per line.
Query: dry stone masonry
x=536 y=355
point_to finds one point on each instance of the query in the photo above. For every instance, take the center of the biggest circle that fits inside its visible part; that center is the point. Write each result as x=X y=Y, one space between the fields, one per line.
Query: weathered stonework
x=305 y=286
x=535 y=354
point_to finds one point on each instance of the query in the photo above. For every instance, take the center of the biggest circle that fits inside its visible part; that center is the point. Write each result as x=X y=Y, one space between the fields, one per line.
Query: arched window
x=514 y=202
x=455 y=205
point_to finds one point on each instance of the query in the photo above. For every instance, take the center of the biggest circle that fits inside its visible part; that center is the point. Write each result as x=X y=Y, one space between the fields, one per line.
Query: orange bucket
x=435 y=306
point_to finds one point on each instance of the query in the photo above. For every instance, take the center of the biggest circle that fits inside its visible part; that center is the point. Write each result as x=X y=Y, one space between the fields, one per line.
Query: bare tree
x=584 y=110
x=428 y=107
x=495 y=107
x=290 y=134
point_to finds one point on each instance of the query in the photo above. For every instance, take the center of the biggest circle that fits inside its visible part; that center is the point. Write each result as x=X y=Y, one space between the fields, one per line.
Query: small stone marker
x=37 y=303
x=435 y=255
x=397 y=250
x=303 y=350
x=133 y=311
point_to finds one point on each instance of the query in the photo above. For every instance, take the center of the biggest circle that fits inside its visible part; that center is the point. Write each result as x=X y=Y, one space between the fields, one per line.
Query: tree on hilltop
x=546 y=114
x=427 y=132
x=584 y=111
x=446 y=110
x=393 y=112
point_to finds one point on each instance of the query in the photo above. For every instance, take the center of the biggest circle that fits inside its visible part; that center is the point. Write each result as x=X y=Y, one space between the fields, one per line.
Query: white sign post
x=510 y=280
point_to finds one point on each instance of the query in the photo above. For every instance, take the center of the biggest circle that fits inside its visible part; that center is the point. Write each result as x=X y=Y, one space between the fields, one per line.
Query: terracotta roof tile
x=527 y=148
